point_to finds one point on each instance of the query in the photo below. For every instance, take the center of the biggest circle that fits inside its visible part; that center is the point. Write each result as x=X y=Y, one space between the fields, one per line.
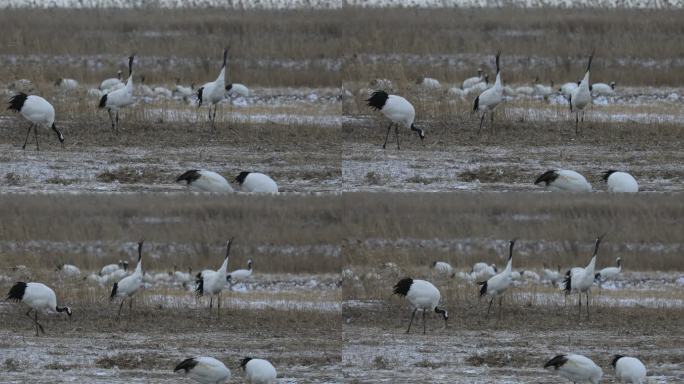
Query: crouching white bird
x=576 y=368
x=603 y=89
x=38 y=297
x=258 y=371
x=205 y=370
x=568 y=88
x=256 y=182
x=38 y=112
x=443 y=268
x=581 y=96
x=499 y=283
x=241 y=274
x=205 y=181
x=422 y=295
x=69 y=270
x=119 y=98
x=236 y=89
x=609 y=272
x=469 y=82
x=490 y=98
x=563 y=180
x=213 y=92
x=129 y=285
x=112 y=83
x=397 y=110
x=620 y=181
x=211 y=282
x=629 y=369
x=66 y=84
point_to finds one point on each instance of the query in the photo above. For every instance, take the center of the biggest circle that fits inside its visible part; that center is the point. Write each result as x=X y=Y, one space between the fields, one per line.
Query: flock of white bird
x=40 y=298
x=424 y=296
x=401 y=112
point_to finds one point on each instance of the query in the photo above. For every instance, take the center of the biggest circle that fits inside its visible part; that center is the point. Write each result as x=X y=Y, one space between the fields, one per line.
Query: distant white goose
x=205 y=370
x=428 y=83
x=120 y=98
x=443 y=268
x=610 y=272
x=422 y=295
x=236 y=89
x=182 y=91
x=397 y=110
x=129 y=285
x=620 y=181
x=564 y=180
x=576 y=368
x=69 y=270
x=38 y=297
x=498 y=284
x=490 y=98
x=258 y=371
x=552 y=276
x=38 y=112
x=541 y=89
x=212 y=93
x=603 y=89
x=112 y=83
x=205 y=181
x=469 y=82
x=66 y=84
x=162 y=92
x=242 y=274
x=629 y=369
x=256 y=182
x=581 y=96
x=568 y=88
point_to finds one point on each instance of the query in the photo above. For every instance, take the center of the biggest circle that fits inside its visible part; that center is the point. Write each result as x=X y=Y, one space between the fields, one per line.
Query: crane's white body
x=110 y=268
x=206 y=181
x=524 y=90
x=207 y=370
x=622 y=182
x=122 y=97
x=129 y=285
x=256 y=182
x=567 y=181
x=477 y=88
x=40 y=297
x=581 y=96
x=163 y=92
x=499 y=283
x=490 y=98
x=215 y=281
x=630 y=370
x=423 y=295
x=398 y=110
x=552 y=276
x=580 y=369
x=38 y=111
x=260 y=371
x=111 y=83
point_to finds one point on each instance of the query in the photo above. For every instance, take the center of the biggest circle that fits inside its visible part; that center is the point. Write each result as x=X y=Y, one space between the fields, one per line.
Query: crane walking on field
x=581 y=96
x=490 y=98
x=399 y=112
x=214 y=91
x=36 y=110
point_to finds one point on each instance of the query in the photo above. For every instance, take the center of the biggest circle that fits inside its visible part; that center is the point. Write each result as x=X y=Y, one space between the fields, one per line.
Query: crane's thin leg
x=209 y=112
x=501 y=307
x=389 y=127
x=587 y=305
x=424 y=321
x=120 y=306
x=491 y=117
x=413 y=314
x=583 y=116
x=111 y=119
x=211 y=303
x=489 y=308
x=35 y=322
x=213 y=118
x=35 y=133
x=130 y=306
x=481 y=122
x=27 y=136
x=576 y=123
x=580 y=304
x=396 y=132
x=35 y=314
x=218 y=306
x=117 y=122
